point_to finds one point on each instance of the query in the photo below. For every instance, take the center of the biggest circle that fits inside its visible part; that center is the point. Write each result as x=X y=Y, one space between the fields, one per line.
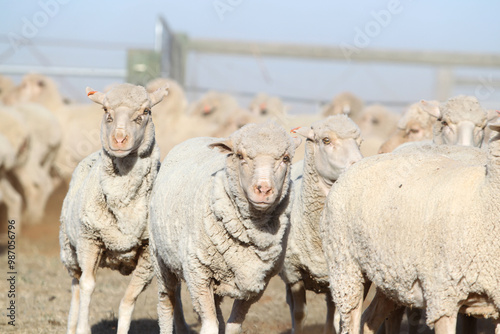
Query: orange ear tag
x=91 y=92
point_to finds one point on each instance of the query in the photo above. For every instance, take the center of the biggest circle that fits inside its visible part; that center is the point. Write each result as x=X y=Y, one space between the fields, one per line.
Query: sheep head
x=258 y=163
x=415 y=125
x=335 y=145
x=127 y=126
x=461 y=121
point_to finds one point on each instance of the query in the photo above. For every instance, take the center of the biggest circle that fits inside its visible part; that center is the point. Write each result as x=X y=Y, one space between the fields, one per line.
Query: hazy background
x=96 y=34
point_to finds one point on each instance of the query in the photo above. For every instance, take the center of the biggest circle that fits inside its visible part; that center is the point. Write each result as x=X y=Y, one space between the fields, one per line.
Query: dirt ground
x=43 y=293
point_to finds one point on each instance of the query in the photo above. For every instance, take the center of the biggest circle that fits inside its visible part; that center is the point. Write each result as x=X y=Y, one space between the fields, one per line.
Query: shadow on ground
x=141 y=326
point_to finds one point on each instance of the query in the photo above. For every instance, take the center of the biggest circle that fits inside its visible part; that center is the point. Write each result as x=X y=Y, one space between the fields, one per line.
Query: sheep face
x=335 y=144
x=259 y=157
x=461 y=121
x=127 y=117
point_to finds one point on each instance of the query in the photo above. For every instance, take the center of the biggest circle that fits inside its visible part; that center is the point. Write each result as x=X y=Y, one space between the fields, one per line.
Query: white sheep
x=10 y=199
x=415 y=125
x=461 y=121
x=6 y=85
x=377 y=123
x=344 y=103
x=79 y=122
x=423 y=228
x=332 y=145
x=269 y=107
x=218 y=220
x=105 y=213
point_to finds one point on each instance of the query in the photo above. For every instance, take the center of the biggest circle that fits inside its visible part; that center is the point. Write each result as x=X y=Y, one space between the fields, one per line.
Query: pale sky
x=95 y=34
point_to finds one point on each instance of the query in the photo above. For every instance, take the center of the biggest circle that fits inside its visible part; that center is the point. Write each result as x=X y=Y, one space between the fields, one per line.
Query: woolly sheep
x=344 y=103
x=377 y=123
x=35 y=177
x=219 y=221
x=101 y=224
x=80 y=122
x=461 y=121
x=424 y=232
x=332 y=145
x=6 y=85
x=9 y=198
x=415 y=125
x=267 y=106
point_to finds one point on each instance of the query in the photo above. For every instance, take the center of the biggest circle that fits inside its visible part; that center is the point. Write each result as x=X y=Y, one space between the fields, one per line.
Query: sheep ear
x=305 y=132
x=158 y=95
x=495 y=125
x=297 y=141
x=95 y=96
x=225 y=146
x=430 y=107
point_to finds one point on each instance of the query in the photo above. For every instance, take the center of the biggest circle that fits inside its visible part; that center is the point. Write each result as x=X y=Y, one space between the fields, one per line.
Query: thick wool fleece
x=422 y=227
x=304 y=259
x=202 y=227
x=107 y=202
x=457 y=109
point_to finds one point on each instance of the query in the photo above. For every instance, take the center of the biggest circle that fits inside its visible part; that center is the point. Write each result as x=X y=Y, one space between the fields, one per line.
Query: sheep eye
x=414 y=130
x=240 y=156
x=444 y=123
x=105 y=109
x=147 y=111
x=326 y=141
x=286 y=158
x=41 y=83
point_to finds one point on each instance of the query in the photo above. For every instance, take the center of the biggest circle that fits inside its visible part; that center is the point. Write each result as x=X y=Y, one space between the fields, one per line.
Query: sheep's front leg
x=202 y=296
x=73 y=309
x=89 y=256
x=238 y=314
x=296 y=299
x=380 y=308
x=141 y=277
x=330 y=315
x=446 y=325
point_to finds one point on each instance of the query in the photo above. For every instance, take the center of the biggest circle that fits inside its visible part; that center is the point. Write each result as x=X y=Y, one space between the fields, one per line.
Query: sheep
x=9 y=198
x=80 y=123
x=267 y=106
x=101 y=224
x=219 y=222
x=344 y=103
x=35 y=177
x=332 y=145
x=461 y=121
x=6 y=85
x=376 y=123
x=424 y=231
x=415 y=125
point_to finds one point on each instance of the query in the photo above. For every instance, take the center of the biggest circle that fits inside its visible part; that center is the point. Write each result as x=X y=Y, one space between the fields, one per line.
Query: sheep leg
x=393 y=322
x=13 y=202
x=89 y=256
x=469 y=323
x=330 y=315
x=350 y=321
x=220 y=316
x=296 y=299
x=376 y=313
x=497 y=326
x=73 y=310
x=170 y=304
x=414 y=316
x=202 y=297
x=446 y=325
x=141 y=277
x=238 y=314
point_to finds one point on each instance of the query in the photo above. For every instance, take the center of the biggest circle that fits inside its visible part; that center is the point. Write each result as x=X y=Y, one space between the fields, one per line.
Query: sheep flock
x=388 y=215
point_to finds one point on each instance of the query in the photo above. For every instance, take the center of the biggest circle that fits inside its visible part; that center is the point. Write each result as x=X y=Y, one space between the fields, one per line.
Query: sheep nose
x=263 y=189
x=120 y=137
